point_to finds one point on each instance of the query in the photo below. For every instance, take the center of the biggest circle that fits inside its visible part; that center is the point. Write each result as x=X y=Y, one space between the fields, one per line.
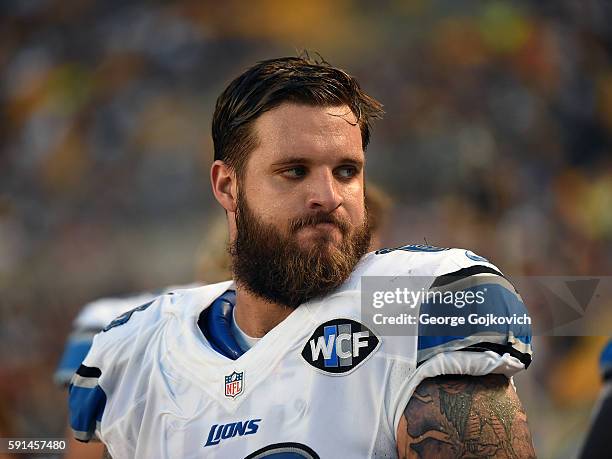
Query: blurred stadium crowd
x=497 y=137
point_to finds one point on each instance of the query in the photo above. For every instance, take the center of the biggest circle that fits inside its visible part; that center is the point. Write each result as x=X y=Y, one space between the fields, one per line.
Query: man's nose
x=324 y=194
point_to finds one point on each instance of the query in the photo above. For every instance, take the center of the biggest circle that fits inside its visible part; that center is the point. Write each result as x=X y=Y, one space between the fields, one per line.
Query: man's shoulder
x=419 y=260
x=96 y=314
x=136 y=329
x=448 y=288
x=93 y=318
x=110 y=380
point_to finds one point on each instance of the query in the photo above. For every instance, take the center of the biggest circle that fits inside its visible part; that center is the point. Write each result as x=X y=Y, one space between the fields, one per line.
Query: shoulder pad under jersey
x=457 y=274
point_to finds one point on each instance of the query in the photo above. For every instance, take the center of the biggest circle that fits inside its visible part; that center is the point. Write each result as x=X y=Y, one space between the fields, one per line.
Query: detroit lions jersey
x=319 y=384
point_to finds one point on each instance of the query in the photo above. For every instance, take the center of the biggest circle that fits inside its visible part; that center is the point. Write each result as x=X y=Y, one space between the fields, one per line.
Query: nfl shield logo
x=233 y=384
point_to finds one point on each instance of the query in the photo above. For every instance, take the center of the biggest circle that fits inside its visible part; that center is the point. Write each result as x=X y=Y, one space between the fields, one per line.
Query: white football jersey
x=320 y=384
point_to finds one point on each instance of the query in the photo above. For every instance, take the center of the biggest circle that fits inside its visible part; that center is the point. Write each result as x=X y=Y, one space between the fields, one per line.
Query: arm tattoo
x=464 y=417
x=106 y=454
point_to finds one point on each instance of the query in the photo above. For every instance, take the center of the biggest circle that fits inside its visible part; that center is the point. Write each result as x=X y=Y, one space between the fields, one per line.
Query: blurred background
x=497 y=137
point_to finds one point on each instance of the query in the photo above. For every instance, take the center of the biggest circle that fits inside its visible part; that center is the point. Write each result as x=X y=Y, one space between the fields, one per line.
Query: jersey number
x=123 y=318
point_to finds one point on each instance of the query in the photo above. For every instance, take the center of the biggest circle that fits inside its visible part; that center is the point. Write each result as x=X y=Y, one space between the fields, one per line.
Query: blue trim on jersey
x=74 y=353
x=426 y=342
x=605 y=361
x=86 y=407
x=499 y=302
x=412 y=248
x=218 y=323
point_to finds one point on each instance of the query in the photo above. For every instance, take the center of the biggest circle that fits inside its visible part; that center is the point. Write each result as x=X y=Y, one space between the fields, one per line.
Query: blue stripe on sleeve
x=426 y=342
x=86 y=407
x=499 y=302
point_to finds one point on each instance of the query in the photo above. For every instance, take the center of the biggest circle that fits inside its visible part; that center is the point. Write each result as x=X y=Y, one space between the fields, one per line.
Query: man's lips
x=325 y=226
x=320 y=224
x=329 y=231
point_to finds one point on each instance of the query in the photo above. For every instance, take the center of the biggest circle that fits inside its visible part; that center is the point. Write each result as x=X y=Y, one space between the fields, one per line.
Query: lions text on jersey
x=172 y=382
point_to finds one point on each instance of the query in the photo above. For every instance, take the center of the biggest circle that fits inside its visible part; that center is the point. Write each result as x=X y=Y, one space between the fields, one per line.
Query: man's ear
x=224 y=185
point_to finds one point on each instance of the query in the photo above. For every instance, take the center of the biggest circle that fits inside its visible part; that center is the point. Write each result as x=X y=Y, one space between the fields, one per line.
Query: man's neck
x=256 y=316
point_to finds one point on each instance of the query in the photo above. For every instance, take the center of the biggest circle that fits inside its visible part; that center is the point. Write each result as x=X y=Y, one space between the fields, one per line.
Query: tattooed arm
x=464 y=417
x=106 y=454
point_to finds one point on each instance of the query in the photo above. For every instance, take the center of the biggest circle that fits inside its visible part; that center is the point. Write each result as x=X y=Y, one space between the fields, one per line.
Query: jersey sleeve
x=482 y=325
x=115 y=350
x=480 y=311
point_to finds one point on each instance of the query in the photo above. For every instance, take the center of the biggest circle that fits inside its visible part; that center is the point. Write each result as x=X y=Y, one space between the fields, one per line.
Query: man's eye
x=295 y=172
x=346 y=172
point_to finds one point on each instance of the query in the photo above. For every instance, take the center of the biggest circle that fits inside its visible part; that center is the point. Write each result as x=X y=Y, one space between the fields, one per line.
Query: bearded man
x=278 y=362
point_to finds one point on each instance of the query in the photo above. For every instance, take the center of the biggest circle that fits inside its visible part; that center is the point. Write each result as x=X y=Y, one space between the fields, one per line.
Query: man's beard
x=275 y=267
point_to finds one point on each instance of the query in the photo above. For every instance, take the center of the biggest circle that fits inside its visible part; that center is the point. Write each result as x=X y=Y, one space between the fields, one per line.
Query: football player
x=278 y=362
x=596 y=444
x=97 y=314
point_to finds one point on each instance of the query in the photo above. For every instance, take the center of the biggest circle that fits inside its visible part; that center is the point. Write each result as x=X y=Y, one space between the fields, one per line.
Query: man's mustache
x=315 y=219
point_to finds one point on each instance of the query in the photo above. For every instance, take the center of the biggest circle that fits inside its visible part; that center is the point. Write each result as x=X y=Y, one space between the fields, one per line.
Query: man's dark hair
x=268 y=84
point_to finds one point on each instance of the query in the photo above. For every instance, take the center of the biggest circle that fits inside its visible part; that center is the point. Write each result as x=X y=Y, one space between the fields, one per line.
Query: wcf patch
x=339 y=346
